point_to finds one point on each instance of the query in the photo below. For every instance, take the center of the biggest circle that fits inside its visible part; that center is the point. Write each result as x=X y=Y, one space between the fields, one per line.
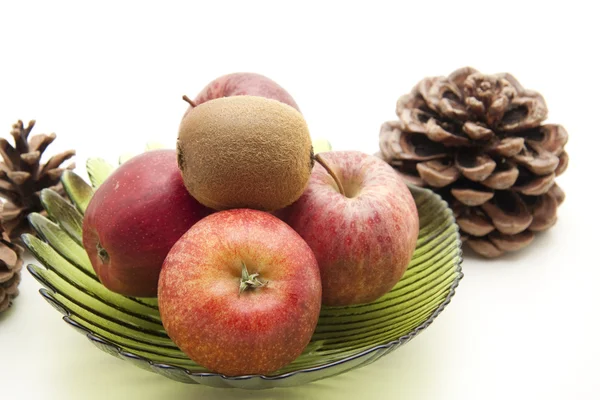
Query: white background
x=108 y=76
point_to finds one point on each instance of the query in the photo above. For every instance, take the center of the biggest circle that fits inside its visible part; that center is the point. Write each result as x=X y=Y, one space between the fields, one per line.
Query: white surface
x=110 y=77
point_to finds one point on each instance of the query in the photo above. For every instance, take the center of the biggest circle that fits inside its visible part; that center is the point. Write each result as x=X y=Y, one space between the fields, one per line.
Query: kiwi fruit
x=245 y=152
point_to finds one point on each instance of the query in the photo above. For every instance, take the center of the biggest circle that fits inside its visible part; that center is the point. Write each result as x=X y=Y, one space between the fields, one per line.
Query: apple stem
x=188 y=100
x=321 y=161
x=249 y=281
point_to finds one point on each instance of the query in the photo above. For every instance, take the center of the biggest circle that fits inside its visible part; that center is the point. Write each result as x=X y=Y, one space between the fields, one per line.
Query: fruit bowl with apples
x=257 y=266
x=131 y=328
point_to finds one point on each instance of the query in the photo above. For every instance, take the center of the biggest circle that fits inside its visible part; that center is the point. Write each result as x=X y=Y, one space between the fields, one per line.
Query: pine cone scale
x=563 y=163
x=7 y=184
x=41 y=142
x=437 y=173
x=18 y=177
x=550 y=137
x=507 y=147
x=484 y=247
x=472 y=197
x=511 y=242
x=534 y=186
x=543 y=210
x=508 y=212
x=57 y=160
x=557 y=193
x=32 y=159
x=7 y=192
x=474 y=223
x=476 y=131
x=10 y=212
x=7 y=255
x=9 y=154
x=20 y=135
x=537 y=160
x=504 y=177
x=414 y=146
x=437 y=133
x=475 y=167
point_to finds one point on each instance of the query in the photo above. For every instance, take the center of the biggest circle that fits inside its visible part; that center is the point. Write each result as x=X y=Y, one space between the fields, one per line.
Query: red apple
x=243 y=84
x=133 y=220
x=240 y=293
x=363 y=240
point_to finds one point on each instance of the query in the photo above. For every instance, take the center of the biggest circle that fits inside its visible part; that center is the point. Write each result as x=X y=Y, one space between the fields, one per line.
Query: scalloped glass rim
x=79 y=192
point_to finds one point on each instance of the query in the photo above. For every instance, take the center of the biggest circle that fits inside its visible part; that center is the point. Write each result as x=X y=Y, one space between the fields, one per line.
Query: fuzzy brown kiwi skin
x=245 y=152
x=180 y=162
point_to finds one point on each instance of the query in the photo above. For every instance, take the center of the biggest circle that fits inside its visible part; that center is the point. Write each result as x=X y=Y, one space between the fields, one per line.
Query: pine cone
x=10 y=268
x=22 y=178
x=478 y=140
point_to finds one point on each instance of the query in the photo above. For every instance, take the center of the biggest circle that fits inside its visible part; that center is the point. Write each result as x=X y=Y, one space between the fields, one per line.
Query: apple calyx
x=102 y=253
x=189 y=101
x=250 y=281
x=320 y=160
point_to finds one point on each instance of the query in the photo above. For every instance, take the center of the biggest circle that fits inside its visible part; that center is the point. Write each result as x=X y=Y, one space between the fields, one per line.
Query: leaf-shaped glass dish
x=131 y=329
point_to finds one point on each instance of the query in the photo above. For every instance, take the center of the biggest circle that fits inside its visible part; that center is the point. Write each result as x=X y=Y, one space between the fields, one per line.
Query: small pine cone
x=11 y=263
x=22 y=178
x=479 y=141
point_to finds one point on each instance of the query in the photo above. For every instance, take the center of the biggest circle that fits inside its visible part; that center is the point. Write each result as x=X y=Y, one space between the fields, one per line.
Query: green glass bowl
x=131 y=329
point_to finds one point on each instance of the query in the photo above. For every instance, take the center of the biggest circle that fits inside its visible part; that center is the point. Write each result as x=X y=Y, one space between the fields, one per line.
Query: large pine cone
x=479 y=141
